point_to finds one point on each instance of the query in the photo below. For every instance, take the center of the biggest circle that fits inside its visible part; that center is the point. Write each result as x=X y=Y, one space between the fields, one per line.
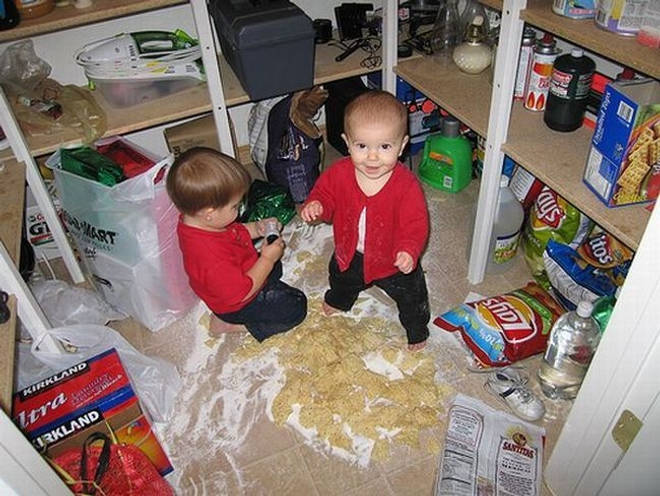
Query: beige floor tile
x=281 y=474
x=402 y=456
x=334 y=476
x=378 y=487
x=414 y=479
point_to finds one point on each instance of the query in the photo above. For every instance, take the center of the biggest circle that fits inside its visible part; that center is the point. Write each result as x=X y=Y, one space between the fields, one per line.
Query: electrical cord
x=369 y=44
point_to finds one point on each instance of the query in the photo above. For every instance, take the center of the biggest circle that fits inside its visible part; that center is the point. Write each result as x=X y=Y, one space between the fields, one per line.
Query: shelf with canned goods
x=584 y=32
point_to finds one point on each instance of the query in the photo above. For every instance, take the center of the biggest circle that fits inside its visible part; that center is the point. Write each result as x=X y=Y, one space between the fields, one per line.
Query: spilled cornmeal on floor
x=350 y=386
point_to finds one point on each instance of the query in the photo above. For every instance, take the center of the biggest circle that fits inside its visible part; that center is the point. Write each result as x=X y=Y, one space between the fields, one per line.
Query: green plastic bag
x=265 y=200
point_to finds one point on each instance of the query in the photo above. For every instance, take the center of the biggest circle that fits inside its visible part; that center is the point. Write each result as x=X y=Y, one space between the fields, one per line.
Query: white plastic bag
x=156 y=381
x=65 y=304
x=127 y=237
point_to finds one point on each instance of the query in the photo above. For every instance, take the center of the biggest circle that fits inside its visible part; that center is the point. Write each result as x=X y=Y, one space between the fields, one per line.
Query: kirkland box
x=268 y=43
x=623 y=165
x=58 y=413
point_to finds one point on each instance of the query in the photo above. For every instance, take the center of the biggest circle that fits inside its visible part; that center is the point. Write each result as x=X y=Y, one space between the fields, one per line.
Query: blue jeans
x=277 y=308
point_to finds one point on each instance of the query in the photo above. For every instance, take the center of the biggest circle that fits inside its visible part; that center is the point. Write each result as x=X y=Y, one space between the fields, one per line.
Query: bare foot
x=417 y=346
x=218 y=327
x=328 y=310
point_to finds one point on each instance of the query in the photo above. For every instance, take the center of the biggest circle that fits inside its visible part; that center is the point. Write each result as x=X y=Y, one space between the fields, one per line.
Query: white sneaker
x=511 y=387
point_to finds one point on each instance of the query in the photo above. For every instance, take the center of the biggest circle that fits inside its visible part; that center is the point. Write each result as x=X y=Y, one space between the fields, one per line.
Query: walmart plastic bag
x=156 y=381
x=127 y=237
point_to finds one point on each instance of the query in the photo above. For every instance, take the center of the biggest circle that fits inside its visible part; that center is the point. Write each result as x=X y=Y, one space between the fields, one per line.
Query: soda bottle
x=573 y=341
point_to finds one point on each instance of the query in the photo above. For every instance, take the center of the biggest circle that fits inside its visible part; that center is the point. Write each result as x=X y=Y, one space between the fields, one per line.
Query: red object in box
x=59 y=412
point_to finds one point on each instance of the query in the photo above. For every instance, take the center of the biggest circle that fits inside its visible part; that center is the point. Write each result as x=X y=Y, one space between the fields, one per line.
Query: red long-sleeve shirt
x=396 y=217
x=217 y=263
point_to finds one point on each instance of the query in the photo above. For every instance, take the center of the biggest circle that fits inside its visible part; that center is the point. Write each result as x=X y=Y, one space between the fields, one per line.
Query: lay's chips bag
x=551 y=217
x=503 y=329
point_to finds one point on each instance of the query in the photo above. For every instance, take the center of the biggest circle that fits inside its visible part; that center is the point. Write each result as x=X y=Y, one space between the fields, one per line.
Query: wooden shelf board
x=7 y=350
x=585 y=33
x=188 y=103
x=465 y=96
x=12 y=198
x=69 y=16
x=493 y=4
x=558 y=159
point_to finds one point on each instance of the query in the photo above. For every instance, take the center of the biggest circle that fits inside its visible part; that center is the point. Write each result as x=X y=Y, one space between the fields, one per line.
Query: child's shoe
x=511 y=387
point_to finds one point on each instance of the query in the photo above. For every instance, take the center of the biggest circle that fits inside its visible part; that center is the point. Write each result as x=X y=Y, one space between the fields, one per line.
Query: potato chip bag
x=503 y=329
x=551 y=217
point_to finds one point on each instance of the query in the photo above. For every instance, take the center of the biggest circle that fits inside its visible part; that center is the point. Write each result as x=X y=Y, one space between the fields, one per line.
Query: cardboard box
x=61 y=411
x=623 y=166
x=197 y=132
x=38 y=232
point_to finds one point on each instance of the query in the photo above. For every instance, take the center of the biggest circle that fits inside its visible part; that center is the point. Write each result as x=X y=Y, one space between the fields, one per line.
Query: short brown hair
x=201 y=178
x=376 y=105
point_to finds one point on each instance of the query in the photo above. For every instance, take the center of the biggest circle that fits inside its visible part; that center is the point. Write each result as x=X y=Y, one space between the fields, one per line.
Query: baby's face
x=217 y=219
x=375 y=148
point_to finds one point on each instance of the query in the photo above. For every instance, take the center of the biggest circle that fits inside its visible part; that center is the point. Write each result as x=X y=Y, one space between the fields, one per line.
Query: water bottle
x=573 y=341
x=509 y=217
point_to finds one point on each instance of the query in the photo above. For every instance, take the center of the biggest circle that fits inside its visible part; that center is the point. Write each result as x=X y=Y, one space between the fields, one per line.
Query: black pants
x=277 y=308
x=407 y=290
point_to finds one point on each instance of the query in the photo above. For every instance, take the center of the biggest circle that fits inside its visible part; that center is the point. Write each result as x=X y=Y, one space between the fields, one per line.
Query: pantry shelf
x=12 y=196
x=69 y=16
x=465 y=96
x=193 y=101
x=584 y=32
x=493 y=4
x=558 y=159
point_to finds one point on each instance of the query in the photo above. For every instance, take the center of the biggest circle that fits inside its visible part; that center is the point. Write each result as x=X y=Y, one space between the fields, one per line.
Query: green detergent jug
x=447 y=160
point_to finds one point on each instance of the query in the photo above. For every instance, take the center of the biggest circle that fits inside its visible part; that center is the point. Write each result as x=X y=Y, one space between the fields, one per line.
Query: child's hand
x=273 y=251
x=262 y=224
x=404 y=262
x=312 y=211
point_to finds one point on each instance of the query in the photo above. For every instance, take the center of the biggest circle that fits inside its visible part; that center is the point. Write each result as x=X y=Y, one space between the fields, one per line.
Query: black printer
x=268 y=43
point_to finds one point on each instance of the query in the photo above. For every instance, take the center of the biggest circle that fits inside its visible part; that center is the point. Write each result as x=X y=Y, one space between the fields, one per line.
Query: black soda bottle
x=9 y=16
x=569 y=88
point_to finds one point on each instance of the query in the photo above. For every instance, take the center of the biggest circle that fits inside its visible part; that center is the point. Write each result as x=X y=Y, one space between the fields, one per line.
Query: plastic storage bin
x=125 y=92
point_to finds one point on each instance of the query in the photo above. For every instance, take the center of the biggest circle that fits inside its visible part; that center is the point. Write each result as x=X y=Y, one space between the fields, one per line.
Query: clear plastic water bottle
x=572 y=344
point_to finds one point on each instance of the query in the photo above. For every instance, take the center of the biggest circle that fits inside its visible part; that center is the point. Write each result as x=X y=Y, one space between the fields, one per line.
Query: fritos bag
x=503 y=329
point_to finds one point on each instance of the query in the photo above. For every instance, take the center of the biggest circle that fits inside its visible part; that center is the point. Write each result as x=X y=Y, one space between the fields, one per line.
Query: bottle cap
x=577 y=53
x=450 y=127
x=585 y=308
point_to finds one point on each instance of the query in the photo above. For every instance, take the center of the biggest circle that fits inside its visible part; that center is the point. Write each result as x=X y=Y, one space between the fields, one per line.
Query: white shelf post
x=498 y=124
x=41 y=195
x=29 y=311
x=212 y=71
x=389 y=44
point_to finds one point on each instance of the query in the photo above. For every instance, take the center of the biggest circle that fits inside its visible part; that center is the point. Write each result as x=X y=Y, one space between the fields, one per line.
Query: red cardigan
x=216 y=264
x=397 y=217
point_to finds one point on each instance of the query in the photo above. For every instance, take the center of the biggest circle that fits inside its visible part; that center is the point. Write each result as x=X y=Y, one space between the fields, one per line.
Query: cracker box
x=623 y=166
x=58 y=413
x=37 y=230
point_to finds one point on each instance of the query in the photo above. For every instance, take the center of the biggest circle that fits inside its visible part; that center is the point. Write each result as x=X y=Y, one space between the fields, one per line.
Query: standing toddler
x=378 y=214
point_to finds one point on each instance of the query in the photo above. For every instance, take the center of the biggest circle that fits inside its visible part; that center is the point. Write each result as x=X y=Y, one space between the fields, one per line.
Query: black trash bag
x=265 y=200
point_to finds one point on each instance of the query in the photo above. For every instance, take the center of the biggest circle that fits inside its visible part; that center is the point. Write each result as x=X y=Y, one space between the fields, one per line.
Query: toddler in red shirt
x=241 y=286
x=378 y=213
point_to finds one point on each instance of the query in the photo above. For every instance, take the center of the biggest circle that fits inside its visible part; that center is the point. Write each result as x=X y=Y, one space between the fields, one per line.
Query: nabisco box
x=58 y=413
